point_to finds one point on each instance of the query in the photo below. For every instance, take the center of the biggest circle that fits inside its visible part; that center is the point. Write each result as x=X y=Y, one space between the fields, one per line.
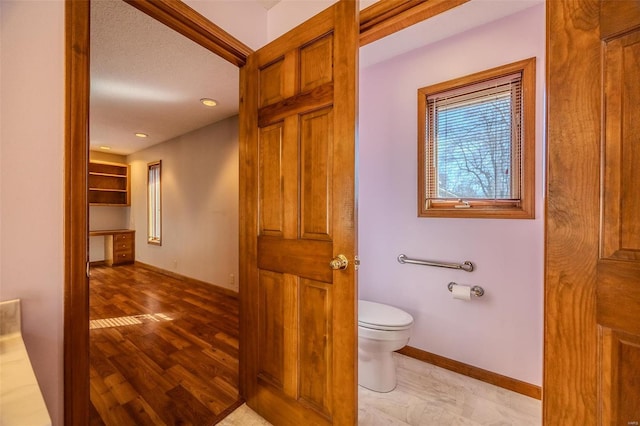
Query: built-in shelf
x=109 y=184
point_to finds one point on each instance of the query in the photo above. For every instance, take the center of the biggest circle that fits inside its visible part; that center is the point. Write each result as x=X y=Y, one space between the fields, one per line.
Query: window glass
x=154 y=205
x=475 y=139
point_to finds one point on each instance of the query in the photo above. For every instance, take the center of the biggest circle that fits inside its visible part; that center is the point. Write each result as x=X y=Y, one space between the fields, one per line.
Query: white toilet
x=382 y=329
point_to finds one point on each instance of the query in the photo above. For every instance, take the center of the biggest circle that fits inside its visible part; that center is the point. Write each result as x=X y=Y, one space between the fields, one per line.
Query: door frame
x=377 y=21
x=571 y=214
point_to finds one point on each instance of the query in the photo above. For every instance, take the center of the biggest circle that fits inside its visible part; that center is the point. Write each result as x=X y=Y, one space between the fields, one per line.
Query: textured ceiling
x=147 y=78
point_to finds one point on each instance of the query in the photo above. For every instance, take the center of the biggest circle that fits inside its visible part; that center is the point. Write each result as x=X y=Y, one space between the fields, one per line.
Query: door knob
x=339 y=262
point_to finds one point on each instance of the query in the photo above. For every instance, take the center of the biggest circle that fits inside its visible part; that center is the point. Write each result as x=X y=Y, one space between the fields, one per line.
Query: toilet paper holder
x=476 y=290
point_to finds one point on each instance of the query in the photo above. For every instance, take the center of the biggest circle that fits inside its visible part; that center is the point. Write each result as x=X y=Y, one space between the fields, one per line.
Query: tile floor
x=427 y=395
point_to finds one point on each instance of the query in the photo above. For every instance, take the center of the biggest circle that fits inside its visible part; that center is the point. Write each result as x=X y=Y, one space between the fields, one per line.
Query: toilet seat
x=377 y=316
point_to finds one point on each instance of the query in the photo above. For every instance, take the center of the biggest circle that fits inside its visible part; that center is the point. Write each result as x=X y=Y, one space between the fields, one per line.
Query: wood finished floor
x=168 y=355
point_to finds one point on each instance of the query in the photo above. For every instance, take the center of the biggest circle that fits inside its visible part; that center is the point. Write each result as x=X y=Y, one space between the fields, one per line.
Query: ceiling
x=454 y=21
x=147 y=78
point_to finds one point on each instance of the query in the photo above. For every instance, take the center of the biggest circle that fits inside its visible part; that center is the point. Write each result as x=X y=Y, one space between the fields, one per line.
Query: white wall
x=246 y=20
x=199 y=204
x=288 y=14
x=31 y=178
x=502 y=331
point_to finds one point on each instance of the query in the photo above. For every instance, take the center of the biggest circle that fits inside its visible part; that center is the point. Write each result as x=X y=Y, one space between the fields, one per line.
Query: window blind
x=153 y=198
x=474 y=138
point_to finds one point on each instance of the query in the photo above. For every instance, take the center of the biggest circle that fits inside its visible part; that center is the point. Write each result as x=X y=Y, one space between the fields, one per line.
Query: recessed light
x=208 y=102
x=106 y=148
x=142 y=135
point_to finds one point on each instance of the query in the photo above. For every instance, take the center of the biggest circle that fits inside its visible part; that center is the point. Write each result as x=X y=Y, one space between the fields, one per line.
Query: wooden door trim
x=76 y=217
x=572 y=212
x=376 y=21
x=191 y=24
x=345 y=203
x=389 y=16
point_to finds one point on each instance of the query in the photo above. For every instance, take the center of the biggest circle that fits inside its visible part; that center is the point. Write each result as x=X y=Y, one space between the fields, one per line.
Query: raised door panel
x=621 y=192
x=316 y=67
x=628 y=381
x=271 y=204
x=316 y=146
x=271 y=328
x=272 y=83
x=621 y=379
x=316 y=345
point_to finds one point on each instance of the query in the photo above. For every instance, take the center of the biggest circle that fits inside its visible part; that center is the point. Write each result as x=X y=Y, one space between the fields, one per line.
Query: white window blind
x=474 y=142
x=154 y=203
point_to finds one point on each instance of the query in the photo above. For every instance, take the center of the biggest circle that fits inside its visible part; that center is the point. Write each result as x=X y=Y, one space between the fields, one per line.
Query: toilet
x=382 y=329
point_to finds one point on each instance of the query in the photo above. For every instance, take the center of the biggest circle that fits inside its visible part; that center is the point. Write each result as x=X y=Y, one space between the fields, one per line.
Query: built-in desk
x=119 y=245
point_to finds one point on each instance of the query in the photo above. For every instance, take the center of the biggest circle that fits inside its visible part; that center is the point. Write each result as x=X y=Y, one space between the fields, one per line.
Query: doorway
x=77 y=382
x=160 y=326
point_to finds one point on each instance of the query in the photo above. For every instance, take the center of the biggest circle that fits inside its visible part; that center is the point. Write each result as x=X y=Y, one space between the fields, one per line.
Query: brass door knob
x=339 y=262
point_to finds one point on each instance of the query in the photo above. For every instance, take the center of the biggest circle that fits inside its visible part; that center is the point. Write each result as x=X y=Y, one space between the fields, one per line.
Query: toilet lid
x=382 y=317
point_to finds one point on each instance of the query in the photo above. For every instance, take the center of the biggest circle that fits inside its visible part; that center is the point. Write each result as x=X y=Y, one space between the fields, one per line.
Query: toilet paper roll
x=462 y=292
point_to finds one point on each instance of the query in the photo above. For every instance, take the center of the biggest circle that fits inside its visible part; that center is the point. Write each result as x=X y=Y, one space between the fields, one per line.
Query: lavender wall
x=502 y=331
x=32 y=182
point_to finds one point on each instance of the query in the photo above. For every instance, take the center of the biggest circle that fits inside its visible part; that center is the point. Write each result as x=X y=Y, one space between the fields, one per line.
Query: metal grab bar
x=466 y=266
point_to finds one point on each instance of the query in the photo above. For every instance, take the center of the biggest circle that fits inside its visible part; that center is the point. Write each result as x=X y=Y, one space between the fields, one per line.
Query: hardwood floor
x=162 y=352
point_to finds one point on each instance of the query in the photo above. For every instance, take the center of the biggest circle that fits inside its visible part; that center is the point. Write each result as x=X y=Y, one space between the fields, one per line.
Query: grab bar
x=466 y=266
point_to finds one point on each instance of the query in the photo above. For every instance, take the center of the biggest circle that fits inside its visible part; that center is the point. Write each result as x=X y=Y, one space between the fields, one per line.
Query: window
x=476 y=145
x=154 y=206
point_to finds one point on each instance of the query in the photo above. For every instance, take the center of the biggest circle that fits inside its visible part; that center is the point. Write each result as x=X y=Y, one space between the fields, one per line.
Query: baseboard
x=222 y=290
x=97 y=263
x=505 y=382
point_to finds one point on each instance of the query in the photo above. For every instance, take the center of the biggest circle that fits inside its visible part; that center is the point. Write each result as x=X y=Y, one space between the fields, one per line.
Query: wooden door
x=592 y=293
x=618 y=268
x=298 y=130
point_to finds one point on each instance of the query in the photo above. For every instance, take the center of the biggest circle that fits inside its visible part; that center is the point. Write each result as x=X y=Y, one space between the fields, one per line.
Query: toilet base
x=376 y=371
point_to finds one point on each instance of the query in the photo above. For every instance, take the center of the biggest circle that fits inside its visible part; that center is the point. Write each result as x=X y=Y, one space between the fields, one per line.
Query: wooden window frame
x=524 y=208
x=151 y=239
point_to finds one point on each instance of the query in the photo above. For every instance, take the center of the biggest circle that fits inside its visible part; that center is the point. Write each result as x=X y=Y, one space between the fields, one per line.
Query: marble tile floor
x=427 y=395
